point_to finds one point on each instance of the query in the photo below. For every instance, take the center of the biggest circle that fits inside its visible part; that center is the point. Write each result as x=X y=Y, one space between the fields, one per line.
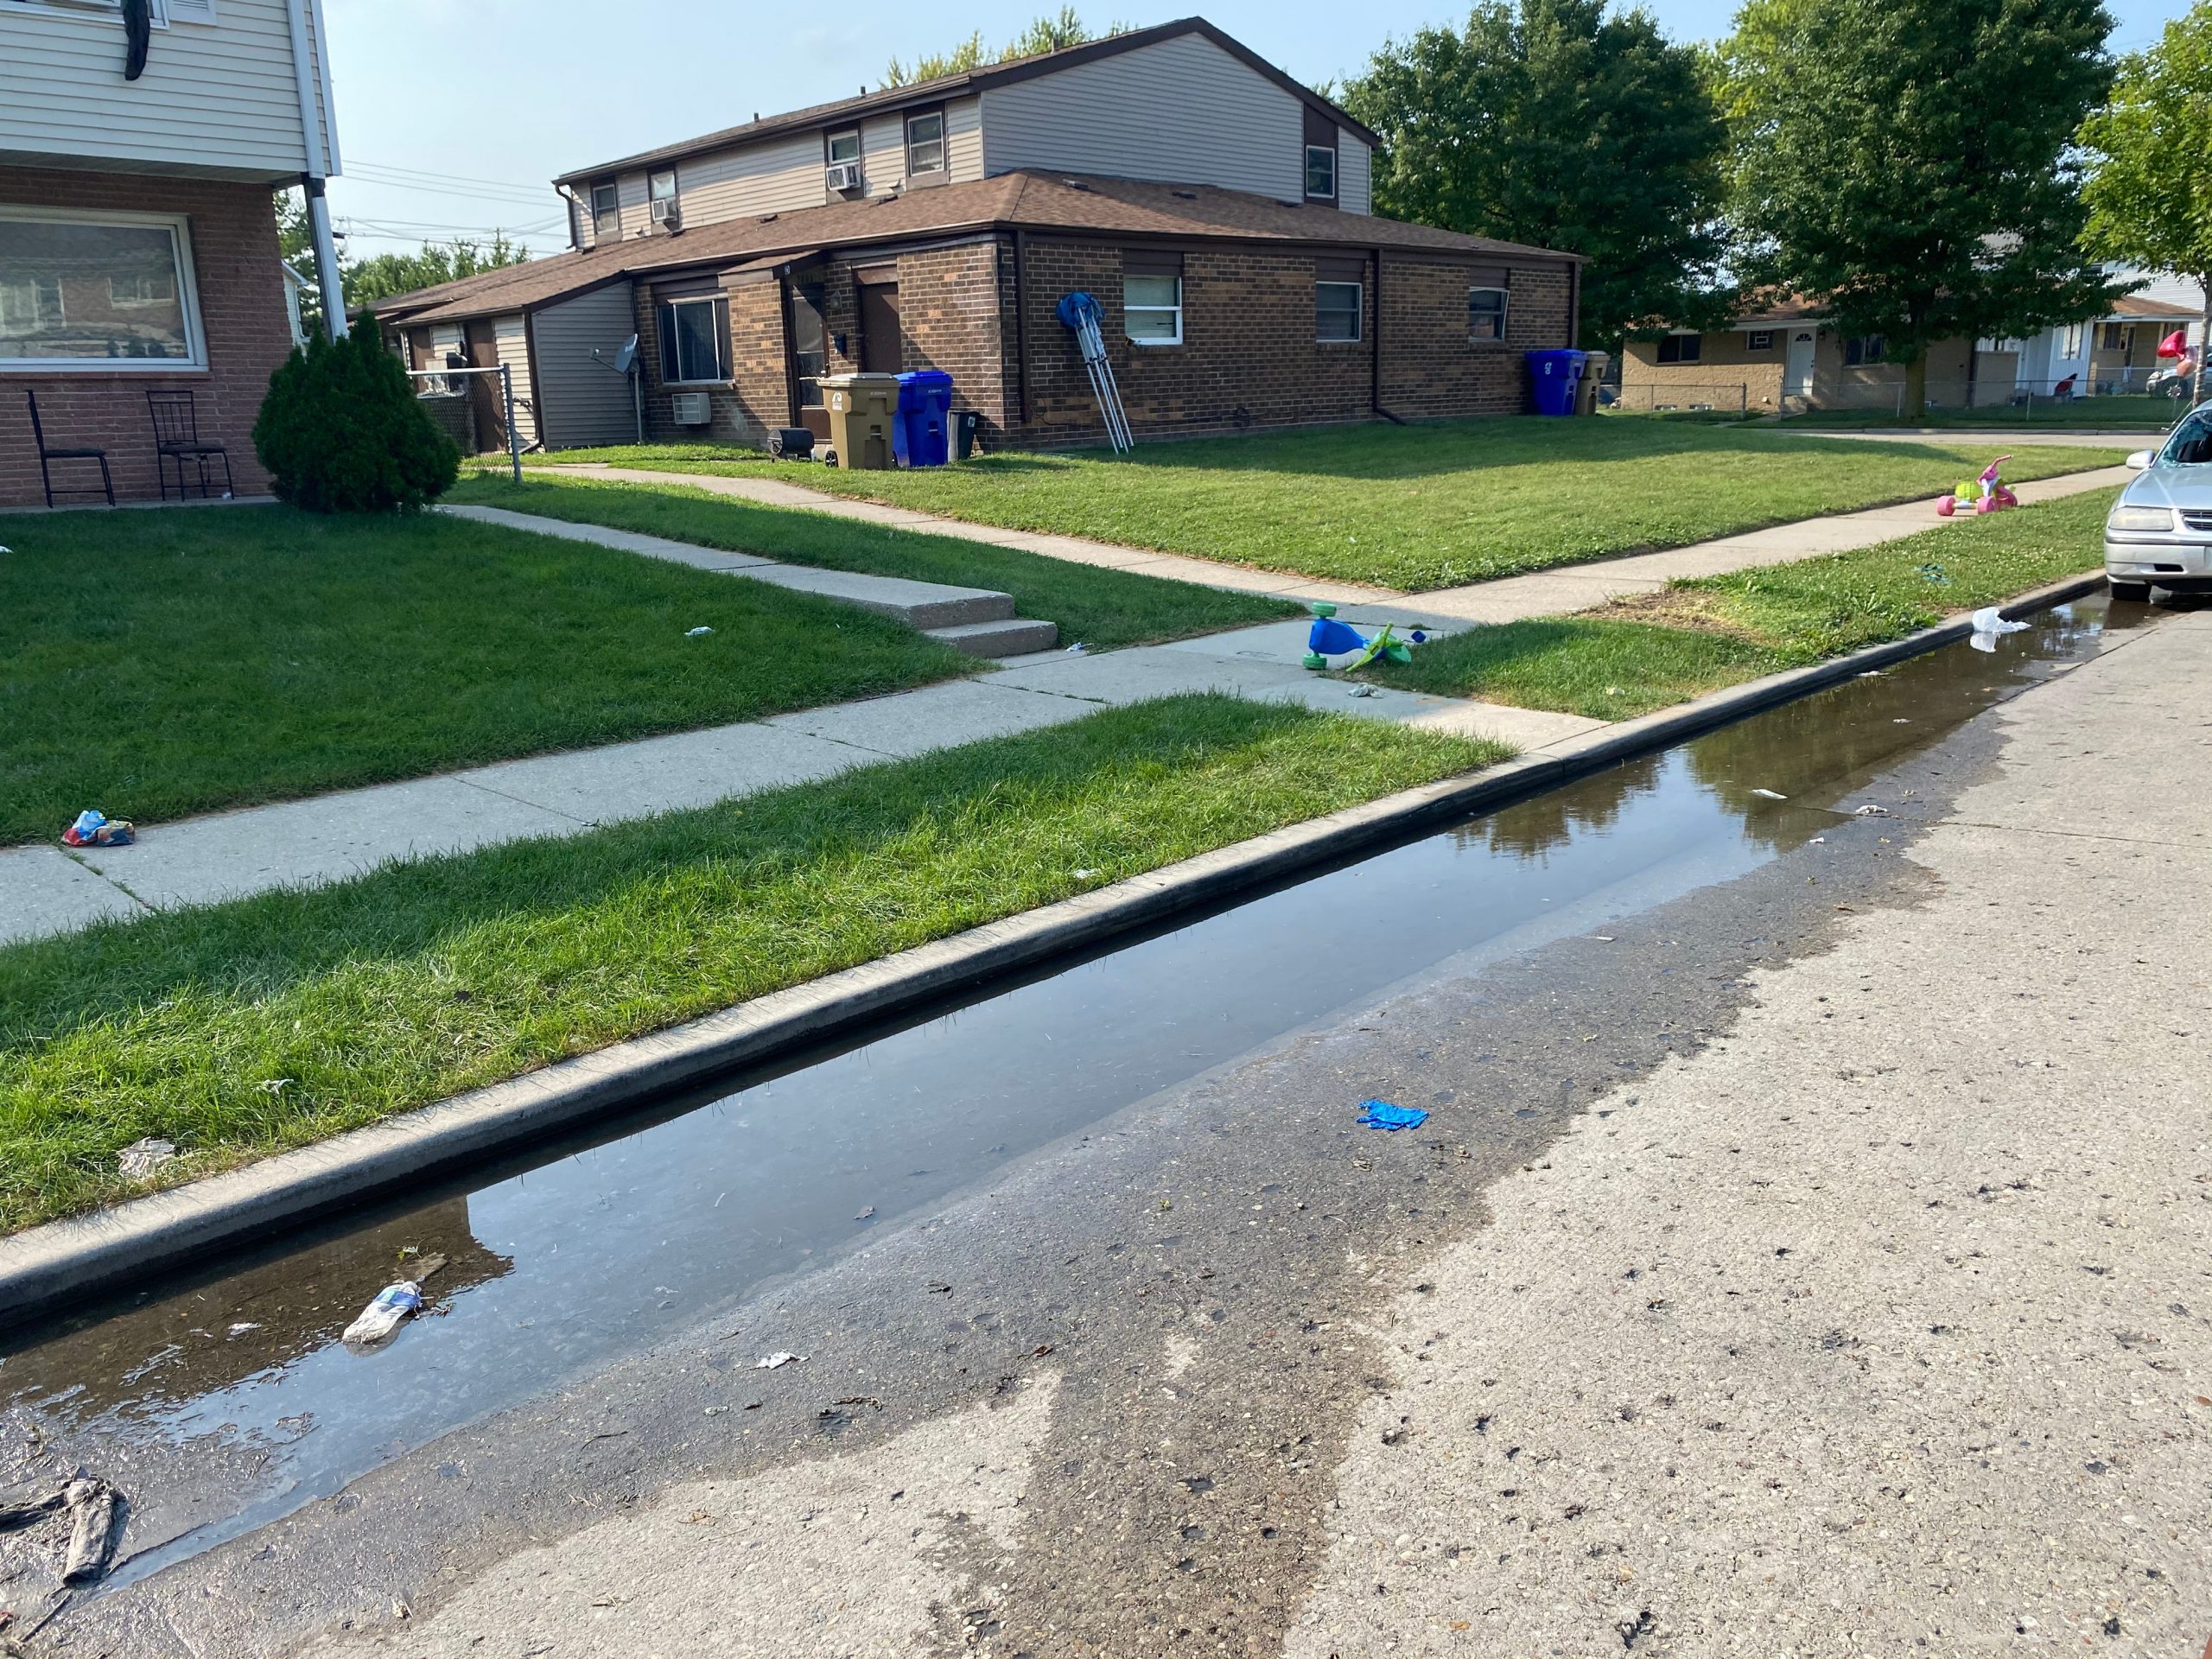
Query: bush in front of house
x=340 y=431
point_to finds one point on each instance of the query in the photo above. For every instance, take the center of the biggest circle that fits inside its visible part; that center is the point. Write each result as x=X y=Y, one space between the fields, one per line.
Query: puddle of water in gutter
x=566 y=1265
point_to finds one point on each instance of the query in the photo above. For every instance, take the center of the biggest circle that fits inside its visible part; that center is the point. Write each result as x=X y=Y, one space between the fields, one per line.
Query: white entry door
x=1797 y=366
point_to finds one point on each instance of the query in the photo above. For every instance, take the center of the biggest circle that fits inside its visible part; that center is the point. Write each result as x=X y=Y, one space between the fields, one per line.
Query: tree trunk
x=1916 y=384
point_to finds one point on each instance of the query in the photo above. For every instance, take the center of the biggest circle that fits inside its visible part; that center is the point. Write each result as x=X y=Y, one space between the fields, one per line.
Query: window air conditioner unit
x=843 y=175
x=693 y=409
x=665 y=211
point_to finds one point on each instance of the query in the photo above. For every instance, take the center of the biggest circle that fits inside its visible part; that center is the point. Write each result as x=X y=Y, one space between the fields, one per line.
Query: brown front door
x=883 y=351
x=483 y=336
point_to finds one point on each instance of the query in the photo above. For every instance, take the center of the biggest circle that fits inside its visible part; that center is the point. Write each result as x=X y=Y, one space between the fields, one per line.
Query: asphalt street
x=1811 y=1263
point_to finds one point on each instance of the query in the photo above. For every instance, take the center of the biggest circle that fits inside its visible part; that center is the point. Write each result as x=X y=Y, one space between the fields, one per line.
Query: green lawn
x=425 y=979
x=2081 y=415
x=1636 y=655
x=166 y=662
x=1423 y=506
x=1097 y=606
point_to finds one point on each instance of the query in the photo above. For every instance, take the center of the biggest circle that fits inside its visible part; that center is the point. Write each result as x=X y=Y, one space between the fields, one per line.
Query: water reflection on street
x=230 y=1400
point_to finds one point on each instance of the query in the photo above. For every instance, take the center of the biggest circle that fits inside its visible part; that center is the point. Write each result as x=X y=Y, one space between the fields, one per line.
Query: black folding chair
x=47 y=454
x=177 y=440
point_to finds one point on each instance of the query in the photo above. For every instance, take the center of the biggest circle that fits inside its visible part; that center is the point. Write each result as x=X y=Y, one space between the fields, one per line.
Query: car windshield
x=2191 y=443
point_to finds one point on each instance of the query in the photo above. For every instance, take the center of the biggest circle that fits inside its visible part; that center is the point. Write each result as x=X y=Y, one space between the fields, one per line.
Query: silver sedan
x=2160 y=532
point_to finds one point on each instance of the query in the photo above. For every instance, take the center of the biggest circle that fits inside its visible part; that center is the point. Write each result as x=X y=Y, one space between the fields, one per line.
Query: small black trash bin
x=964 y=422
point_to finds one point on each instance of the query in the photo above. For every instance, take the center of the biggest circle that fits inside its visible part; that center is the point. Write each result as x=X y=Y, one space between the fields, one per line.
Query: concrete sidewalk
x=44 y=890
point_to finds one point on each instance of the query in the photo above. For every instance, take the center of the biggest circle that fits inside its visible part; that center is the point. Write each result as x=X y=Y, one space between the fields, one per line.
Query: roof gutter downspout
x=326 y=245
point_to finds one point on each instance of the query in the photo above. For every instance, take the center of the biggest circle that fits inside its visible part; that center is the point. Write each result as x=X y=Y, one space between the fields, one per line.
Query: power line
x=455 y=178
x=535 y=199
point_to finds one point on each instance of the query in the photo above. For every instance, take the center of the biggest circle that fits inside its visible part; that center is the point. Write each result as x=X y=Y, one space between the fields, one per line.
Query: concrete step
x=918 y=604
x=1010 y=637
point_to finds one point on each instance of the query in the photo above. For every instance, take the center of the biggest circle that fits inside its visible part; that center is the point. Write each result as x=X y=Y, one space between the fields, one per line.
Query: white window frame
x=1504 y=313
x=1329 y=150
x=1174 y=310
x=1758 y=339
x=591 y=195
x=1358 y=314
x=2069 y=340
x=912 y=171
x=158 y=9
x=194 y=361
x=654 y=197
x=830 y=156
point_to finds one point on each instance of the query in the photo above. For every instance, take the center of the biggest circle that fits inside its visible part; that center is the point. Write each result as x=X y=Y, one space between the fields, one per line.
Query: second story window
x=663 y=198
x=605 y=212
x=1321 y=172
x=925 y=143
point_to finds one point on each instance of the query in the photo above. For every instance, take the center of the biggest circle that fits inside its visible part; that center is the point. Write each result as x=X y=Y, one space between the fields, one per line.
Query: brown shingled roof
x=1022 y=200
x=2135 y=307
x=989 y=74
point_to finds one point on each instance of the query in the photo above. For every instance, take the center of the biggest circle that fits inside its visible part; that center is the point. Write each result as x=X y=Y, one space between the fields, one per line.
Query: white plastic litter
x=1770 y=794
x=1871 y=810
x=142 y=1157
x=1079 y=649
x=242 y=1328
x=1990 y=620
x=394 y=1305
x=1085 y=876
x=776 y=1361
x=693 y=633
x=1363 y=690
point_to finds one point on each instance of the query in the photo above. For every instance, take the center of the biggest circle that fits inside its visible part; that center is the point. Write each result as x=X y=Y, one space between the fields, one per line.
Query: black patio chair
x=177 y=440
x=47 y=454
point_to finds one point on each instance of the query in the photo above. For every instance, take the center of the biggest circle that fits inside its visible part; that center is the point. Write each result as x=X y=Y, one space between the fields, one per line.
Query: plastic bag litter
x=93 y=828
x=693 y=633
x=394 y=1304
x=1363 y=691
x=776 y=1361
x=1990 y=620
x=1770 y=794
x=1382 y=1114
x=142 y=1157
x=1871 y=810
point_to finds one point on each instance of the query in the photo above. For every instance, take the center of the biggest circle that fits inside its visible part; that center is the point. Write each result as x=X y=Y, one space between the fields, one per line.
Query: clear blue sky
x=454 y=114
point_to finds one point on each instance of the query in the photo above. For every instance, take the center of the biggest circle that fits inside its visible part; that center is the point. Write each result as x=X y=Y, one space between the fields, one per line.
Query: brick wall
x=243 y=320
x=948 y=301
x=755 y=402
x=1431 y=368
x=1249 y=358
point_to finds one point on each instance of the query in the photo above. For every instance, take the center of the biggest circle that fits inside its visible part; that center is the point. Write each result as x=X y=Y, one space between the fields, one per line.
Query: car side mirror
x=2139 y=461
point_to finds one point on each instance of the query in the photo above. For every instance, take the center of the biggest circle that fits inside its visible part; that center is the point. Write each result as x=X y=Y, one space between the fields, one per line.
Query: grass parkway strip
x=239 y=1029
x=1420 y=507
x=1634 y=656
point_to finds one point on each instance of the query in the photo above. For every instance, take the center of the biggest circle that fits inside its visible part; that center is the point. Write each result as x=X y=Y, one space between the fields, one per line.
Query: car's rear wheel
x=2134 y=593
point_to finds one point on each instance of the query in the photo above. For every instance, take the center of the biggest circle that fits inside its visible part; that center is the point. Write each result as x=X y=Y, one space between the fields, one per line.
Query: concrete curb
x=62 y=1262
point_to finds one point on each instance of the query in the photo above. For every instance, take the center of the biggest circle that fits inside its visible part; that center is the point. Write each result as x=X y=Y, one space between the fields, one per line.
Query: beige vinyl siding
x=773 y=177
x=511 y=336
x=1354 y=187
x=631 y=193
x=963 y=139
x=581 y=400
x=216 y=97
x=1181 y=111
x=883 y=154
x=445 y=338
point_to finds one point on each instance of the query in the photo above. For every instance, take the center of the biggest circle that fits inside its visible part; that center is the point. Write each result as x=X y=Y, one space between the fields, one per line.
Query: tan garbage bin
x=1594 y=371
x=862 y=410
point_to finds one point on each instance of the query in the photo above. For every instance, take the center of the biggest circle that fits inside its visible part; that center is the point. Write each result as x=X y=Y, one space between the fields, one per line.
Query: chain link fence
x=1721 y=397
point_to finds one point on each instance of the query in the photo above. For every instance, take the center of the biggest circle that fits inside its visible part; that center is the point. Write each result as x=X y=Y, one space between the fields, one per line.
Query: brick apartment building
x=137 y=230
x=1217 y=210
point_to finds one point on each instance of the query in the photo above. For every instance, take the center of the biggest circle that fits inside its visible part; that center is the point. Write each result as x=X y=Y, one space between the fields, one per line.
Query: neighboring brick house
x=1216 y=209
x=137 y=226
x=1783 y=355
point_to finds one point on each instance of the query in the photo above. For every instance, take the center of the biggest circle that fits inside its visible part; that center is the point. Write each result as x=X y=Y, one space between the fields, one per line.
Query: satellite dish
x=627 y=358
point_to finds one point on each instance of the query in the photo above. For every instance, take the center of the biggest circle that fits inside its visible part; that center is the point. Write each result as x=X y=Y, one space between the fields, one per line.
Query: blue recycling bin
x=921 y=429
x=1553 y=376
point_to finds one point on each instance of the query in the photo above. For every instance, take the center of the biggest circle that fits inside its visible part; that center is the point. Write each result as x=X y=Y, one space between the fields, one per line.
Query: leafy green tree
x=1549 y=122
x=2150 y=186
x=1043 y=34
x=1909 y=164
x=383 y=274
x=342 y=431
